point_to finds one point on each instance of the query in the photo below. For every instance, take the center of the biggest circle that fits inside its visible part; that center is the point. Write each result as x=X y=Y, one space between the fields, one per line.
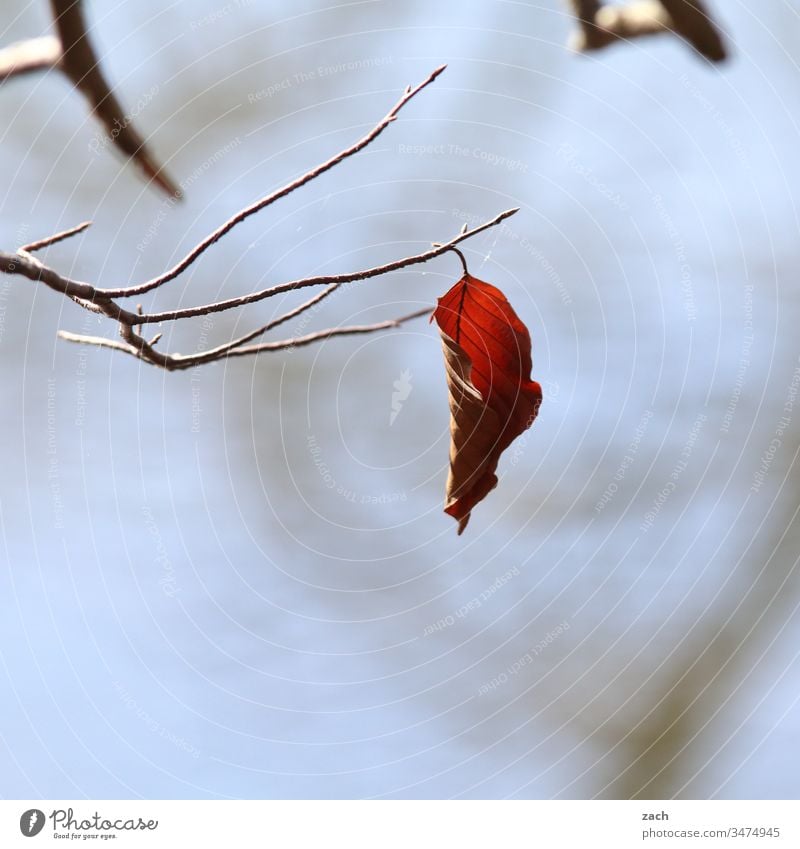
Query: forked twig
x=105 y=301
x=245 y=213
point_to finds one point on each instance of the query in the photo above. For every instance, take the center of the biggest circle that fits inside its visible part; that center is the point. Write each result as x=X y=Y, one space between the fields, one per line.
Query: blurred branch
x=178 y=362
x=601 y=25
x=104 y=301
x=691 y=20
x=72 y=53
x=35 y=54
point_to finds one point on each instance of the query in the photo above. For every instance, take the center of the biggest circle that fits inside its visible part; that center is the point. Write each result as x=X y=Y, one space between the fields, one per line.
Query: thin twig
x=137 y=346
x=245 y=213
x=179 y=362
x=97 y=341
x=324 y=280
x=97 y=301
x=102 y=301
x=56 y=237
x=143 y=348
x=351 y=330
x=460 y=255
x=215 y=353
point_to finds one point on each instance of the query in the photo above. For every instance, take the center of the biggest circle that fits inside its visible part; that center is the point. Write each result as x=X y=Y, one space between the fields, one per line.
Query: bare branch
x=57 y=237
x=145 y=350
x=462 y=259
x=27 y=266
x=299 y=341
x=216 y=353
x=74 y=55
x=601 y=25
x=180 y=362
x=691 y=20
x=324 y=280
x=137 y=346
x=99 y=341
x=24 y=57
x=274 y=196
x=96 y=300
x=586 y=10
x=133 y=343
x=80 y=63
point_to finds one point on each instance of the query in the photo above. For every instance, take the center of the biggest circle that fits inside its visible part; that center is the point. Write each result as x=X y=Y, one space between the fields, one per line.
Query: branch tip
x=212 y=238
x=130 y=321
x=56 y=237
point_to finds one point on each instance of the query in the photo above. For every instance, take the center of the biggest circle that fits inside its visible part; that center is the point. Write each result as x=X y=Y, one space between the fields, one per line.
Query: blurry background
x=239 y=581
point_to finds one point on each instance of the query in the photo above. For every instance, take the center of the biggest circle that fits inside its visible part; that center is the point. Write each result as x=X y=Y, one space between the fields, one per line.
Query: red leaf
x=492 y=397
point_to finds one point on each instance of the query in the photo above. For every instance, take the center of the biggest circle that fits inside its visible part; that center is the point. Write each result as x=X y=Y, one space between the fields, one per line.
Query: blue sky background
x=238 y=582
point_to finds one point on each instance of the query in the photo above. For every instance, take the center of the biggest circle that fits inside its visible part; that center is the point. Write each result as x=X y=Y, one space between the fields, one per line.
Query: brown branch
x=586 y=10
x=27 y=266
x=97 y=300
x=134 y=344
x=98 y=341
x=308 y=339
x=180 y=362
x=608 y=24
x=601 y=25
x=103 y=301
x=220 y=350
x=87 y=296
x=80 y=63
x=145 y=350
x=245 y=213
x=323 y=280
x=56 y=237
x=73 y=54
x=24 y=57
x=691 y=20
x=461 y=258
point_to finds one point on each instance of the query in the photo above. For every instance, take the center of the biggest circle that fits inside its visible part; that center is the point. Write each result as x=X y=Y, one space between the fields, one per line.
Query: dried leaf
x=487 y=353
